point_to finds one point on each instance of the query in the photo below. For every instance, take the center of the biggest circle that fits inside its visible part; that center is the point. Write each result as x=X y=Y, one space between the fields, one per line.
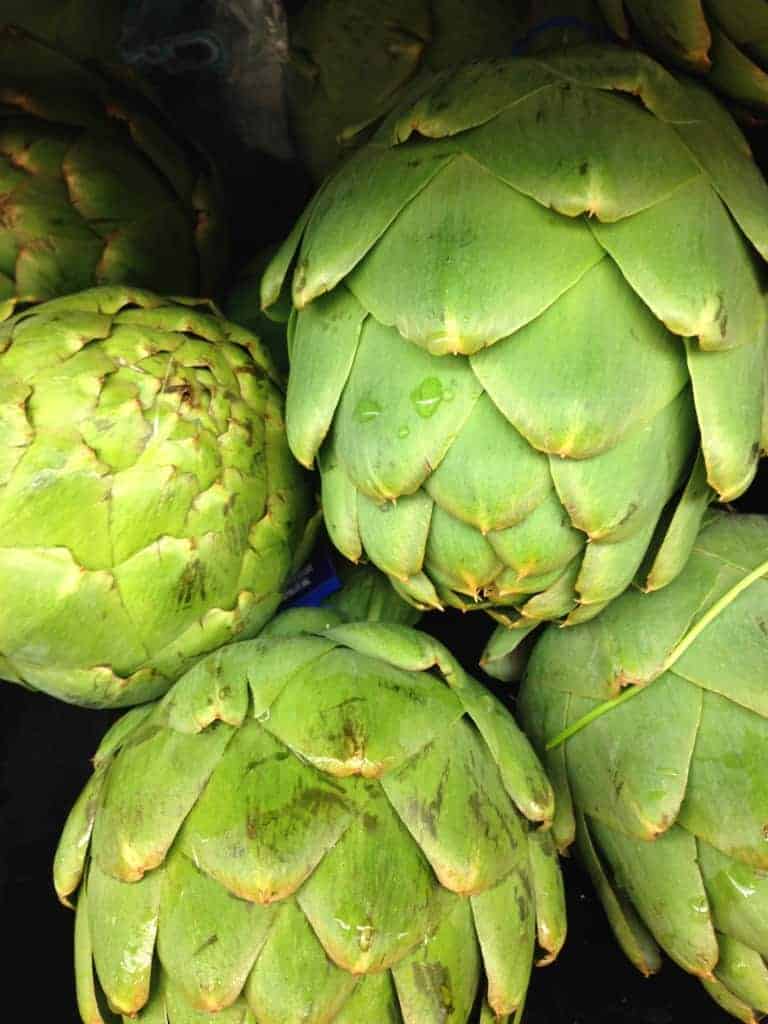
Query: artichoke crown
x=562 y=259
x=334 y=823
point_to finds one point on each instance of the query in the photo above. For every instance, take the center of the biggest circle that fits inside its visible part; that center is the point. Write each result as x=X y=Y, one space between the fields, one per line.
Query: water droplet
x=744 y=889
x=448 y=395
x=403 y=431
x=367 y=409
x=427 y=397
x=263 y=716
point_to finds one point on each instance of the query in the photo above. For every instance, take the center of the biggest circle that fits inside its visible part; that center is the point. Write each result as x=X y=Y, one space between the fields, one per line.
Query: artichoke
x=331 y=822
x=353 y=60
x=520 y=312
x=150 y=509
x=94 y=186
x=725 y=40
x=667 y=793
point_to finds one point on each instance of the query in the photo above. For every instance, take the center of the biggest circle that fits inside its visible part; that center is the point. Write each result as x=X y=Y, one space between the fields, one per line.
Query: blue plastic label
x=315 y=581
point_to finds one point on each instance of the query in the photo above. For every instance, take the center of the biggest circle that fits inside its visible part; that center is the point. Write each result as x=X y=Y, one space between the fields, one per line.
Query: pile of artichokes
x=519 y=335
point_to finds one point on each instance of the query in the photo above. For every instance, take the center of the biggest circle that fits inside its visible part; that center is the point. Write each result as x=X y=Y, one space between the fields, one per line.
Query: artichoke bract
x=666 y=792
x=724 y=40
x=520 y=312
x=150 y=509
x=352 y=60
x=331 y=822
x=96 y=187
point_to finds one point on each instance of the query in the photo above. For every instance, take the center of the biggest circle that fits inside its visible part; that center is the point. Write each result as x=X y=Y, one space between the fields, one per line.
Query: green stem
x=677 y=652
x=596 y=712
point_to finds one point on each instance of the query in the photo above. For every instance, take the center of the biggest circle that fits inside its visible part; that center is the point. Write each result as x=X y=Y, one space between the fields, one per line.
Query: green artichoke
x=150 y=509
x=667 y=793
x=94 y=186
x=352 y=60
x=332 y=822
x=520 y=312
x=725 y=40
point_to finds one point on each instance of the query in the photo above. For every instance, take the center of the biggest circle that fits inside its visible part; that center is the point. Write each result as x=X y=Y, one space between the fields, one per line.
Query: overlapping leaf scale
x=738 y=896
x=720 y=768
x=293 y=978
x=339 y=498
x=597 y=333
x=458 y=557
x=207 y=941
x=730 y=657
x=123 y=919
x=439 y=980
x=490 y=477
x=663 y=880
x=632 y=769
x=321 y=715
x=242 y=920
x=149 y=791
x=363 y=924
x=613 y=656
x=630 y=931
x=455 y=784
x=323 y=347
x=570 y=152
x=472 y=287
x=331 y=246
x=394 y=534
x=399 y=412
x=544 y=542
x=471 y=96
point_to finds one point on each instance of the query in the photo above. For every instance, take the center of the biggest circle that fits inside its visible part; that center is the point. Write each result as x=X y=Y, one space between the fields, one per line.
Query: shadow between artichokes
x=519 y=313
x=242 y=303
x=150 y=509
x=329 y=823
x=666 y=793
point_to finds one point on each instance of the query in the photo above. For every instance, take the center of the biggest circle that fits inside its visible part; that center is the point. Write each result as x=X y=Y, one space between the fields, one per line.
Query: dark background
x=45 y=748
